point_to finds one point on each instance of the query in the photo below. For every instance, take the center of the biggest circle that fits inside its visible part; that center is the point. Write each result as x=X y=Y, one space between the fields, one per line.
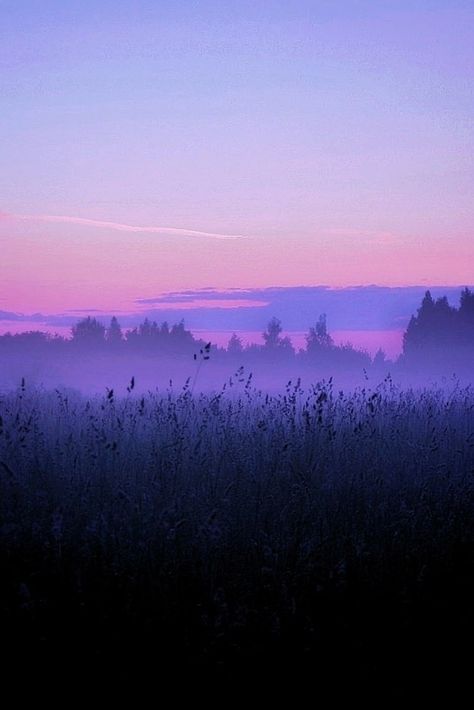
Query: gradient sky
x=331 y=140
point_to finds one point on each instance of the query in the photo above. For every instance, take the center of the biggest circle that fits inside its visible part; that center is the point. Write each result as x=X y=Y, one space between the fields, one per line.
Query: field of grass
x=312 y=535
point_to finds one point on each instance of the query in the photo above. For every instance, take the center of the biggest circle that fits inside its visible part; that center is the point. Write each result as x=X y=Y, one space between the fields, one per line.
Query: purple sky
x=331 y=142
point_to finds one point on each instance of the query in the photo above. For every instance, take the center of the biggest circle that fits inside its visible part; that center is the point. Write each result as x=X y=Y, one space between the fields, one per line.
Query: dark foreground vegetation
x=311 y=538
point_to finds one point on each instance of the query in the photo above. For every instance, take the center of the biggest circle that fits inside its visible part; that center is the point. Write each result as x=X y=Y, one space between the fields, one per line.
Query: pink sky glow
x=232 y=145
x=52 y=264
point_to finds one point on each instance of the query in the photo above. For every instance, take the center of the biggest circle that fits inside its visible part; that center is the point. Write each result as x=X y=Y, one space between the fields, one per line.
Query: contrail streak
x=119 y=227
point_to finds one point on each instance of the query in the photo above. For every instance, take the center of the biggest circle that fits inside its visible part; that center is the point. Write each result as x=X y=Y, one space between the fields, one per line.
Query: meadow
x=311 y=535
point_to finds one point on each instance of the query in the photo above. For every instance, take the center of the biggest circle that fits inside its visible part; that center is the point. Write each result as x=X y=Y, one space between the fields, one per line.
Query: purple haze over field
x=237 y=347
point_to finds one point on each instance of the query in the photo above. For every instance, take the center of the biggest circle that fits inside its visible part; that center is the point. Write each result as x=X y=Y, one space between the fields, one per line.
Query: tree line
x=438 y=331
x=89 y=335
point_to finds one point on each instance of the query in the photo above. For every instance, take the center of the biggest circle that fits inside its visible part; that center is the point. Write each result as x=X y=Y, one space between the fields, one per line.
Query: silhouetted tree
x=466 y=317
x=427 y=304
x=466 y=304
x=234 y=346
x=88 y=331
x=180 y=338
x=150 y=337
x=346 y=357
x=380 y=358
x=271 y=336
x=318 y=337
x=131 y=336
x=421 y=329
x=114 y=334
x=440 y=331
x=274 y=343
x=444 y=320
x=147 y=337
x=149 y=330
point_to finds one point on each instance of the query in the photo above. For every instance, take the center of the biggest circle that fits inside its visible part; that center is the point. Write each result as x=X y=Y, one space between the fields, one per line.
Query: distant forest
x=438 y=331
x=90 y=336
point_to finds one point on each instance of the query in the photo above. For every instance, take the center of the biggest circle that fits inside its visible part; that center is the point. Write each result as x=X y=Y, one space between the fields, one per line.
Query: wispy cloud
x=118 y=226
x=201 y=303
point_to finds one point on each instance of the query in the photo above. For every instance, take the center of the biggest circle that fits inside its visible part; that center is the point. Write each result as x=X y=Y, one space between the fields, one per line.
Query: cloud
x=351 y=308
x=9 y=315
x=177 y=304
x=205 y=294
x=118 y=226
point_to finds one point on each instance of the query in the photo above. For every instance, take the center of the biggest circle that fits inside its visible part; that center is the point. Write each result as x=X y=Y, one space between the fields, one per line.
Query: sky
x=156 y=147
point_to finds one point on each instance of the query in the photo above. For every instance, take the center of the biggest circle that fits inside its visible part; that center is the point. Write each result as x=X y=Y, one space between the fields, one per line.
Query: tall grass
x=309 y=527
